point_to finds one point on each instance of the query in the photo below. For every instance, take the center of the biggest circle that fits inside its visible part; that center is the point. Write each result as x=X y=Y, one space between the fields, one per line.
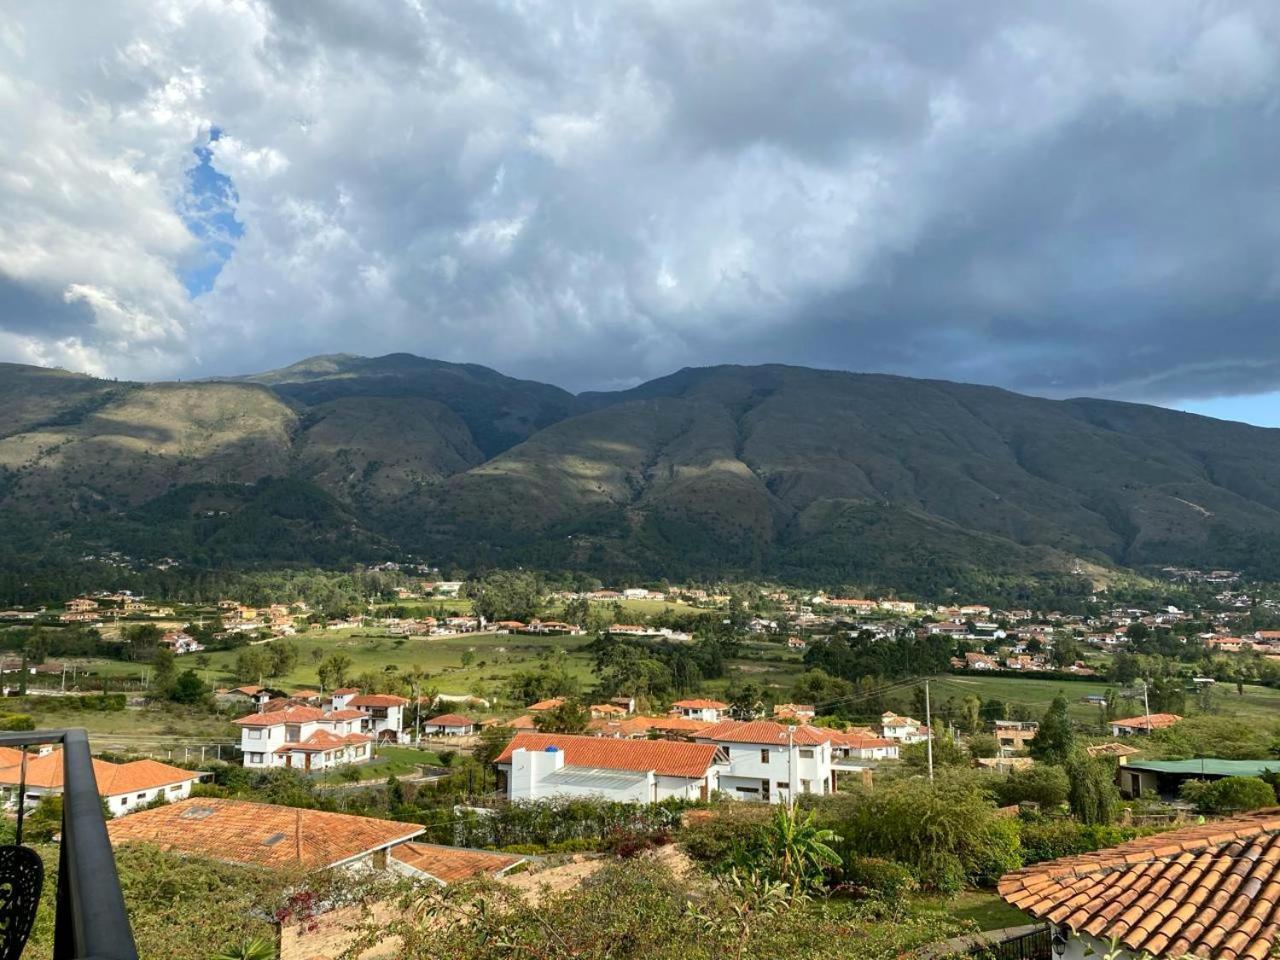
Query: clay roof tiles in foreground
x=1212 y=890
x=669 y=758
x=762 y=732
x=454 y=864
x=259 y=834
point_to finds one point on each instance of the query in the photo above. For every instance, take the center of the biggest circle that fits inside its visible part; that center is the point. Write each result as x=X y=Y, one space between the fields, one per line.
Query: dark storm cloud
x=29 y=310
x=1060 y=198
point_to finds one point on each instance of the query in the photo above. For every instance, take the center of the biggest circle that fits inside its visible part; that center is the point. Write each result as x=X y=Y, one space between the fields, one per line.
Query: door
x=764 y=790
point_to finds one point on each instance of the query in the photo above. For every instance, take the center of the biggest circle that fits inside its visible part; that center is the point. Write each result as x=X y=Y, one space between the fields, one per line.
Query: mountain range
x=802 y=474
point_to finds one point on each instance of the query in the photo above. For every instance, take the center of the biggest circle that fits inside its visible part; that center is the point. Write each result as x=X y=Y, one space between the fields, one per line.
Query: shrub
x=946 y=833
x=873 y=877
x=1093 y=796
x=713 y=836
x=1229 y=795
x=1041 y=783
x=1047 y=838
x=628 y=843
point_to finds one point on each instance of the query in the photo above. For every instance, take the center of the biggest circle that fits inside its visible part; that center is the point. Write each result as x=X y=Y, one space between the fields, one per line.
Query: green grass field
x=983 y=907
x=389 y=762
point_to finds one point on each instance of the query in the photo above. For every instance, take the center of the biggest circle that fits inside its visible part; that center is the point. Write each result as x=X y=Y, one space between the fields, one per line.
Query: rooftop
x=1210 y=890
x=764 y=732
x=113 y=778
x=665 y=757
x=259 y=834
x=1207 y=766
x=453 y=864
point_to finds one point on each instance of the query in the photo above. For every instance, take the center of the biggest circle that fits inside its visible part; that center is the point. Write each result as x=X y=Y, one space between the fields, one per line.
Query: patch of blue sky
x=209 y=210
x=1259 y=409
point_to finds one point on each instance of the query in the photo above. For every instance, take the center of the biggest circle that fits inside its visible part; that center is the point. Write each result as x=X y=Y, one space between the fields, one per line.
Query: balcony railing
x=90 y=921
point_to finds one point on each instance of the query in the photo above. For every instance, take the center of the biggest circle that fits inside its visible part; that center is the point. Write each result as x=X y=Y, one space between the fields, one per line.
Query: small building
x=771 y=762
x=446 y=865
x=1164 y=778
x=123 y=786
x=304 y=738
x=699 y=709
x=538 y=766
x=1013 y=736
x=450 y=725
x=1132 y=726
x=384 y=715
x=905 y=730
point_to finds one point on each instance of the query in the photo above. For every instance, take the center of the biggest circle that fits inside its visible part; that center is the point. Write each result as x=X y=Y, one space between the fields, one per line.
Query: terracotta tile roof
x=547 y=704
x=1212 y=890
x=1158 y=721
x=10 y=757
x=323 y=740
x=678 y=724
x=377 y=700
x=856 y=740
x=345 y=715
x=666 y=757
x=277 y=717
x=697 y=704
x=454 y=864
x=346 y=692
x=113 y=778
x=259 y=834
x=522 y=723
x=763 y=732
x=452 y=720
x=1111 y=750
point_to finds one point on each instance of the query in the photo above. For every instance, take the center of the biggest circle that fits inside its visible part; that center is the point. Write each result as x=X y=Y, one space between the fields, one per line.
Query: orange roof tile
x=454 y=864
x=377 y=700
x=522 y=723
x=764 y=732
x=276 y=717
x=665 y=757
x=1157 y=721
x=698 y=704
x=1211 y=889
x=113 y=779
x=547 y=704
x=323 y=740
x=452 y=720
x=259 y=834
x=1111 y=750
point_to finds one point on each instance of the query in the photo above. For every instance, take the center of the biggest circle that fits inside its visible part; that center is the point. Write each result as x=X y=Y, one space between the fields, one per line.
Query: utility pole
x=928 y=722
x=1146 y=704
x=791 y=780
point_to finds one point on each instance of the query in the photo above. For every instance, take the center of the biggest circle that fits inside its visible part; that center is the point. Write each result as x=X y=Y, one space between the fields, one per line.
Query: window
x=806 y=754
x=124 y=801
x=175 y=788
x=764 y=756
x=782 y=785
x=255 y=758
x=254 y=734
x=751 y=790
x=142 y=796
x=804 y=786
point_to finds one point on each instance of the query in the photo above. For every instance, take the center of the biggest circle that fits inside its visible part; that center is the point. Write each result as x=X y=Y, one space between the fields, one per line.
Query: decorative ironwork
x=1035 y=945
x=21 y=880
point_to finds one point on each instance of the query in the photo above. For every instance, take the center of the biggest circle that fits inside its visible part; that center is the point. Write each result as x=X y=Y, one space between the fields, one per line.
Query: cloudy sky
x=1061 y=198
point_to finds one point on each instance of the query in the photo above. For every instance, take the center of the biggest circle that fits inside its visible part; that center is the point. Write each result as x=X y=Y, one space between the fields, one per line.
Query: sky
x=1062 y=199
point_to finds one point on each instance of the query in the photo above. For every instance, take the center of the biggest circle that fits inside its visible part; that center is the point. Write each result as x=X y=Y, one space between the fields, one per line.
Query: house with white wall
x=383 y=714
x=700 y=709
x=304 y=738
x=904 y=730
x=540 y=766
x=123 y=786
x=770 y=761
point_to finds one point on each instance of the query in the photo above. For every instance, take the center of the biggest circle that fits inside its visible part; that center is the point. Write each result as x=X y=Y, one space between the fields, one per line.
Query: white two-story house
x=710 y=711
x=902 y=729
x=305 y=738
x=383 y=715
x=771 y=761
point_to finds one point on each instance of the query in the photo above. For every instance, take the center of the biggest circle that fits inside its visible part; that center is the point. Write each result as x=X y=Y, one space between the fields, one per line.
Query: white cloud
x=592 y=192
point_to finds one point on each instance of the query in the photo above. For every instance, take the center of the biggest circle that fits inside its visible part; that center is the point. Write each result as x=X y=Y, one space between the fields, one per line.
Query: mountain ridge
x=718 y=470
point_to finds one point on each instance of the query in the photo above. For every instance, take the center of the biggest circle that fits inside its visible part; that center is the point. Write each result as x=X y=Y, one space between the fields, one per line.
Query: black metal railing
x=90 y=921
x=1034 y=944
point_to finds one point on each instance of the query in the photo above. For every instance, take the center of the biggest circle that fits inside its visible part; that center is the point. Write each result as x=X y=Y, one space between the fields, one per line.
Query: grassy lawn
x=389 y=762
x=983 y=907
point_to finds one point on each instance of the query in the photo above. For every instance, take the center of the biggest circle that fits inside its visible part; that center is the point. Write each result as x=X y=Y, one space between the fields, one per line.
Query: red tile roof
x=763 y=732
x=323 y=740
x=547 y=704
x=113 y=779
x=1210 y=890
x=377 y=700
x=277 y=717
x=346 y=692
x=259 y=834
x=454 y=864
x=452 y=720
x=666 y=757
x=697 y=704
x=1158 y=721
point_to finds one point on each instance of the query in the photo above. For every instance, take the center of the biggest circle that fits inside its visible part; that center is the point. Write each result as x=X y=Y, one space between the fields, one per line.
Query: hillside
x=772 y=469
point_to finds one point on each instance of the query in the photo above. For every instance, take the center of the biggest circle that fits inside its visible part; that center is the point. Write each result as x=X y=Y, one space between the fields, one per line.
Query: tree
x=164 y=669
x=994 y=709
x=946 y=753
x=468 y=658
x=1040 y=783
x=490 y=744
x=505 y=595
x=793 y=851
x=1229 y=795
x=983 y=745
x=1054 y=739
x=251 y=665
x=1093 y=796
x=188 y=688
x=284 y=657
x=335 y=669
x=568 y=717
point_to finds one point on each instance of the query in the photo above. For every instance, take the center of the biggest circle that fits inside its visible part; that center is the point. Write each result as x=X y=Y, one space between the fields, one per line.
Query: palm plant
x=254 y=948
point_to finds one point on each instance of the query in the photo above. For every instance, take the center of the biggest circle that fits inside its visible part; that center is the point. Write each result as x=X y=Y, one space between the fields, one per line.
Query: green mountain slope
x=721 y=470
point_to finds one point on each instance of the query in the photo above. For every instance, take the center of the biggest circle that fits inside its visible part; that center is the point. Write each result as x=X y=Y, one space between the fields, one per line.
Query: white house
x=305 y=738
x=538 y=766
x=861 y=745
x=450 y=725
x=180 y=642
x=383 y=715
x=709 y=710
x=1144 y=724
x=903 y=729
x=769 y=761
x=123 y=786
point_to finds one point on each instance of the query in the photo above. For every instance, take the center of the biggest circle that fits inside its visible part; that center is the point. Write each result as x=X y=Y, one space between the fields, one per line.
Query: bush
x=1229 y=795
x=712 y=836
x=947 y=833
x=17 y=721
x=629 y=843
x=1047 y=838
x=1041 y=783
x=872 y=877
